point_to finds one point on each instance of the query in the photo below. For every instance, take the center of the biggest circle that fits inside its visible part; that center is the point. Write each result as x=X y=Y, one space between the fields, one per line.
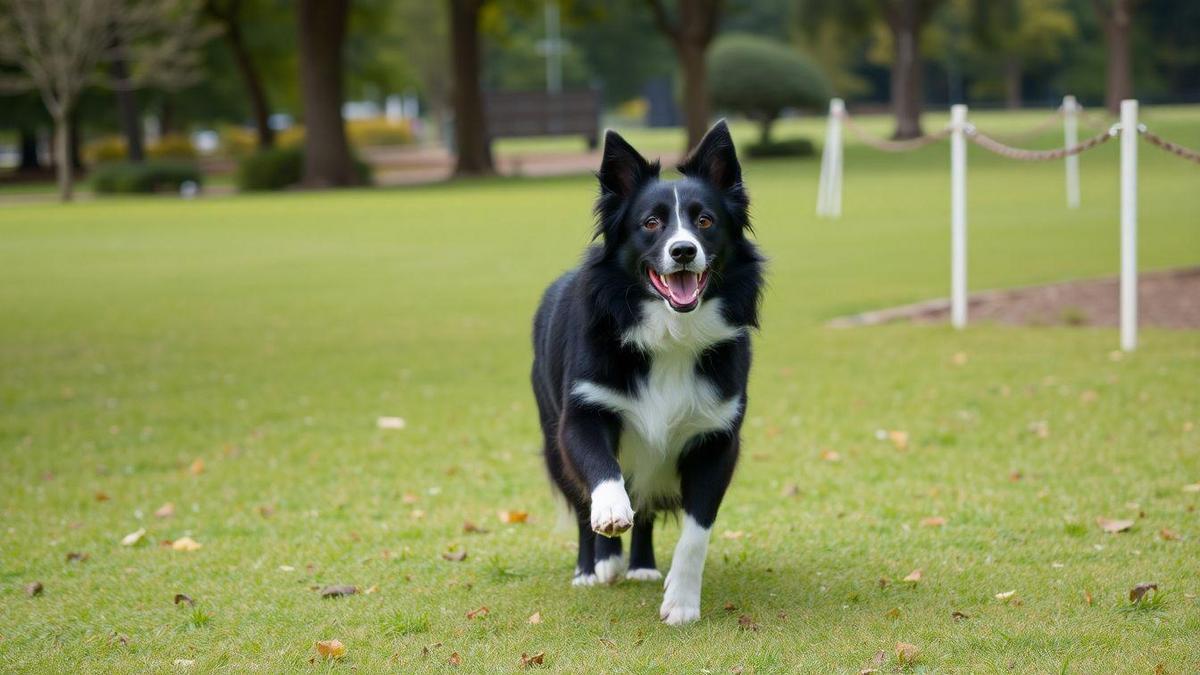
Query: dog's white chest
x=673 y=403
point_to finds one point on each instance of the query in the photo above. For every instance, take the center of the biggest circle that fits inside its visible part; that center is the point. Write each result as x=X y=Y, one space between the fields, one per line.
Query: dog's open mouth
x=680 y=289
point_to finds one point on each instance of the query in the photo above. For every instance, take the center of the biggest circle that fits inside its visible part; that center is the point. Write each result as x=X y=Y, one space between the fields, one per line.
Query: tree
x=470 y=123
x=759 y=77
x=690 y=34
x=1116 y=17
x=1012 y=35
x=905 y=21
x=229 y=15
x=59 y=46
x=322 y=32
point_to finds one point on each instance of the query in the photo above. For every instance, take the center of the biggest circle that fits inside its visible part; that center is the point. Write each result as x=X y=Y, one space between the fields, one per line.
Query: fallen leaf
x=374 y=588
x=338 y=591
x=479 y=612
x=513 y=517
x=390 y=423
x=472 y=528
x=75 y=556
x=409 y=498
x=906 y=653
x=1167 y=535
x=1160 y=669
x=1088 y=396
x=102 y=496
x=913 y=576
x=34 y=588
x=893 y=613
x=1005 y=595
x=185 y=544
x=933 y=521
x=959 y=358
x=958 y=616
x=1114 y=526
x=266 y=510
x=899 y=439
x=535 y=660
x=455 y=556
x=1138 y=592
x=535 y=618
x=165 y=511
x=830 y=456
x=185 y=663
x=733 y=534
x=197 y=467
x=737 y=670
x=133 y=538
x=1015 y=476
x=608 y=643
x=1040 y=428
x=184 y=598
x=746 y=622
x=884 y=582
x=1087 y=597
x=790 y=490
x=331 y=649
x=730 y=607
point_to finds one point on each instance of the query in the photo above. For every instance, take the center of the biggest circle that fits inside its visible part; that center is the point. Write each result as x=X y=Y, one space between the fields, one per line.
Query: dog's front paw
x=609 y=570
x=581 y=579
x=611 y=512
x=643 y=574
x=681 y=599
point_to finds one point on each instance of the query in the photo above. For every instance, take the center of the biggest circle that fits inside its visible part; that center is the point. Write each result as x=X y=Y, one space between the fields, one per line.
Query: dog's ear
x=714 y=159
x=623 y=170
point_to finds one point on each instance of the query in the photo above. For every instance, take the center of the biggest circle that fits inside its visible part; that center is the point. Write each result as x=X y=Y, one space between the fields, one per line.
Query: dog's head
x=674 y=237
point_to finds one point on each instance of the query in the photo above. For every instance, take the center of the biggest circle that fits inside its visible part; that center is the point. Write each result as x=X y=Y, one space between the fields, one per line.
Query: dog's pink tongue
x=682 y=286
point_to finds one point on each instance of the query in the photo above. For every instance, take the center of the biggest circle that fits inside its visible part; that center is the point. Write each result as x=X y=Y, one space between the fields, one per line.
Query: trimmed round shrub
x=144 y=177
x=793 y=147
x=760 y=78
x=281 y=168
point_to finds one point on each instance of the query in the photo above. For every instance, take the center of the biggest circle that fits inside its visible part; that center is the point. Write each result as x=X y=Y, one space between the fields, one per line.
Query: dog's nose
x=683 y=251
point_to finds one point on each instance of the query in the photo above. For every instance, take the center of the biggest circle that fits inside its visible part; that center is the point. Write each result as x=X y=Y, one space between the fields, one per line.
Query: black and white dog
x=641 y=356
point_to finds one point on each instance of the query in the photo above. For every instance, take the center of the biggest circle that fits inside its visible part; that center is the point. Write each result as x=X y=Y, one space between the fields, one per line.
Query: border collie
x=641 y=356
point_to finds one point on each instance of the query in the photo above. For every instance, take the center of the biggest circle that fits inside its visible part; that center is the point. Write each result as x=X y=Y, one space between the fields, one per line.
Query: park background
x=279 y=342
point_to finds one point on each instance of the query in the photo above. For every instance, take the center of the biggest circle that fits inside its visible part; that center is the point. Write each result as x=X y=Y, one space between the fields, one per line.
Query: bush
x=144 y=177
x=379 y=131
x=106 y=149
x=759 y=78
x=795 y=147
x=238 y=142
x=279 y=168
x=172 y=146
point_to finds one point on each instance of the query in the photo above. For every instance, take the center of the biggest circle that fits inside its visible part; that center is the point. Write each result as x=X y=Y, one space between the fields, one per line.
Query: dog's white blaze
x=681 y=597
x=672 y=405
x=681 y=233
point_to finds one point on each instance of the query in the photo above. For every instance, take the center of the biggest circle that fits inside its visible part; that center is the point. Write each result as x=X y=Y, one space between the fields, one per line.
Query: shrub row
x=280 y=168
x=142 y=177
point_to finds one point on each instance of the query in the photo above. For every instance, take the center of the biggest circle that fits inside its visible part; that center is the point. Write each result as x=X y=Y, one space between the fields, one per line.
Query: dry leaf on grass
x=374 y=588
x=913 y=576
x=165 y=511
x=133 y=538
x=472 y=528
x=34 y=588
x=830 y=456
x=1113 y=526
x=730 y=607
x=959 y=358
x=186 y=544
x=410 y=498
x=102 y=496
x=76 y=556
x=455 y=659
x=1006 y=595
x=607 y=642
x=1087 y=597
x=933 y=521
x=790 y=490
x=185 y=599
x=899 y=439
x=266 y=510
x=1138 y=592
x=535 y=618
x=479 y=612
x=197 y=467
x=733 y=534
x=455 y=556
x=906 y=653
x=893 y=613
x=1040 y=428
x=390 y=423
x=338 y=591
x=534 y=660
x=331 y=649
x=958 y=616
x=747 y=622
x=512 y=517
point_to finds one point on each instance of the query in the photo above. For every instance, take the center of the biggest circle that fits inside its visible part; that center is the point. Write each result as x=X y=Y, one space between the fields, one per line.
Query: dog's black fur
x=583 y=328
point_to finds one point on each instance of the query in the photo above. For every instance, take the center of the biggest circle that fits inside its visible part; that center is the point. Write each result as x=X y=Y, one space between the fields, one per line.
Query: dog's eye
x=704 y=222
x=652 y=223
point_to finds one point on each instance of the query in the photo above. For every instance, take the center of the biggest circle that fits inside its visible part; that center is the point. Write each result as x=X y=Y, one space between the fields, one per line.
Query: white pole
x=1129 y=139
x=958 y=216
x=831 y=163
x=1071 y=139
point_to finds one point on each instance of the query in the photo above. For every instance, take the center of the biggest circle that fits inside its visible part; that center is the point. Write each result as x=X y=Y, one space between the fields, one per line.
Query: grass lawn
x=263 y=336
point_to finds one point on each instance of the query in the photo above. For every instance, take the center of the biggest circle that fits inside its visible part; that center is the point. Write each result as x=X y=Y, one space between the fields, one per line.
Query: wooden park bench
x=540 y=113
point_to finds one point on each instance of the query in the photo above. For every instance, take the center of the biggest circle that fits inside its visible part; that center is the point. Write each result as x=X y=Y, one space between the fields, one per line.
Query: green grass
x=265 y=335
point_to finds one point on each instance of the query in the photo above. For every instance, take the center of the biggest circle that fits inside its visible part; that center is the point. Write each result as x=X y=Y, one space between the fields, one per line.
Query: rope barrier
x=1164 y=144
x=992 y=145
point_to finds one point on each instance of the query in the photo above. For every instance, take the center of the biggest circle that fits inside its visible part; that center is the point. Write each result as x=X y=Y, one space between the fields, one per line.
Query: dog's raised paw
x=643 y=574
x=612 y=513
x=609 y=570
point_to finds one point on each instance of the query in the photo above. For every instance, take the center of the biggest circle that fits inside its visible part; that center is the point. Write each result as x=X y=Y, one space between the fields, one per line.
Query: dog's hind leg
x=609 y=561
x=641 y=550
x=585 y=565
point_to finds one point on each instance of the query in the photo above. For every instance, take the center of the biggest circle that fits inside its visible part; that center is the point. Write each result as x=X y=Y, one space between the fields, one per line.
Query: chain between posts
x=992 y=145
x=1173 y=148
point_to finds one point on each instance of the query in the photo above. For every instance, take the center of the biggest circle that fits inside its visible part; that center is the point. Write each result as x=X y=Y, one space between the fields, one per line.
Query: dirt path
x=1166 y=299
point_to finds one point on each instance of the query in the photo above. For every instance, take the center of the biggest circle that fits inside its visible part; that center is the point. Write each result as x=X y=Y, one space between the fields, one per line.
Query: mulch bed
x=1166 y=299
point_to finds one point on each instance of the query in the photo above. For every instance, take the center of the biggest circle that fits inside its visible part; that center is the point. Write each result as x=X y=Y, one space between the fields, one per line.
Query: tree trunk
x=695 y=90
x=127 y=106
x=470 y=124
x=765 y=122
x=254 y=86
x=29 y=150
x=74 y=144
x=1012 y=82
x=1119 y=75
x=62 y=155
x=905 y=24
x=322 y=31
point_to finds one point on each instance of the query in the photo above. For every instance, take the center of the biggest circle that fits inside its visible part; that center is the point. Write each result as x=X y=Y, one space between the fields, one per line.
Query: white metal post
x=1070 y=140
x=829 y=189
x=1129 y=140
x=958 y=216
